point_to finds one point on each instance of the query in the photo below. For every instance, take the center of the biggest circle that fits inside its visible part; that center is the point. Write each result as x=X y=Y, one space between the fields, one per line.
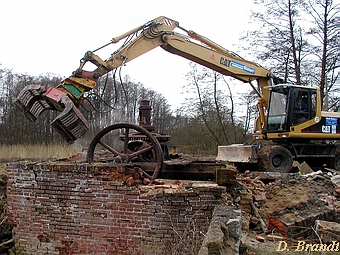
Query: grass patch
x=10 y=152
x=2 y=168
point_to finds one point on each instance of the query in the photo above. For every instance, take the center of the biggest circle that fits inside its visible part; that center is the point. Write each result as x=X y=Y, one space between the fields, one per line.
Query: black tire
x=275 y=158
x=335 y=163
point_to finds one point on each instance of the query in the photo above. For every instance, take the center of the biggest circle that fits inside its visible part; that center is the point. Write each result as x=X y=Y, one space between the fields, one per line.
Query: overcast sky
x=40 y=36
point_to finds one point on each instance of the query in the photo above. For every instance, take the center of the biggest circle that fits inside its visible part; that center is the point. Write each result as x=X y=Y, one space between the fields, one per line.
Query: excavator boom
x=273 y=123
x=68 y=95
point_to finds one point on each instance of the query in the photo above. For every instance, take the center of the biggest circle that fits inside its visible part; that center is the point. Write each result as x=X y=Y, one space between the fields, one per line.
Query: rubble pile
x=279 y=208
x=290 y=207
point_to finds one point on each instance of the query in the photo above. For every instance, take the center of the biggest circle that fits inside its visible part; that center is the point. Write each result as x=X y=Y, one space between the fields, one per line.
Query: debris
x=118 y=159
x=336 y=191
x=189 y=185
x=78 y=157
x=328 y=231
x=224 y=233
x=336 y=205
x=130 y=181
x=177 y=182
x=146 y=181
x=162 y=187
x=336 y=180
x=319 y=172
x=7 y=242
x=289 y=207
x=297 y=221
x=145 y=189
x=332 y=170
x=237 y=200
x=274 y=238
x=257 y=215
x=225 y=177
x=158 y=182
x=260 y=239
x=303 y=167
x=254 y=220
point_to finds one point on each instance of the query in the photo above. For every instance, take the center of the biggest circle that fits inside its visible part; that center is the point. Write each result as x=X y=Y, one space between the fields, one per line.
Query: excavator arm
x=160 y=32
x=68 y=95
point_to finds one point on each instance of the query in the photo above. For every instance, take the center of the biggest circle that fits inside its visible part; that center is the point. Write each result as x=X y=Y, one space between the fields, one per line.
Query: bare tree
x=206 y=102
x=210 y=108
x=248 y=101
x=280 y=41
x=286 y=43
x=326 y=30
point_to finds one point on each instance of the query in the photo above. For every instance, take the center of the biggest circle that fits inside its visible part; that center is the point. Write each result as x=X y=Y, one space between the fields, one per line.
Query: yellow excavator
x=290 y=126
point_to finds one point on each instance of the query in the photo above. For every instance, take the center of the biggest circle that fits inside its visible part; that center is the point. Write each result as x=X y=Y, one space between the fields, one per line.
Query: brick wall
x=82 y=209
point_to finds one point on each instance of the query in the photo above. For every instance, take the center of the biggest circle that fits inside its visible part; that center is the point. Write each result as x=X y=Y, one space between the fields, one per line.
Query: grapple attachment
x=35 y=99
x=31 y=102
x=70 y=123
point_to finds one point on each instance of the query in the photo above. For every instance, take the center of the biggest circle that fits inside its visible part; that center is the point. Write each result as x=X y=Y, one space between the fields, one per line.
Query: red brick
x=79 y=213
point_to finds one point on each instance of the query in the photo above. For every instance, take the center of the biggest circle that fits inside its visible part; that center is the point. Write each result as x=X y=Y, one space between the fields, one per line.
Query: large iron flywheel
x=128 y=143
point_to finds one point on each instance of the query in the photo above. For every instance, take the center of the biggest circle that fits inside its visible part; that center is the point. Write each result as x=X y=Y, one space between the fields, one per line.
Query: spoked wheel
x=126 y=143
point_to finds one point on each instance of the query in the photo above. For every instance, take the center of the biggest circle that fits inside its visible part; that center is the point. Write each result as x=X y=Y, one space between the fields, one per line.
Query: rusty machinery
x=127 y=142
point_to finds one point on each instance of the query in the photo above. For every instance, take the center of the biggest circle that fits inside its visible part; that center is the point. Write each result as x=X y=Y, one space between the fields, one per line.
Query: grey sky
x=40 y=36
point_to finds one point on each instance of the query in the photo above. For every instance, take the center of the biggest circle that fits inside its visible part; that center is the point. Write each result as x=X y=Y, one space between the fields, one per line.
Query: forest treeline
x=111 y=102
x=105 y=105
x=297 y=40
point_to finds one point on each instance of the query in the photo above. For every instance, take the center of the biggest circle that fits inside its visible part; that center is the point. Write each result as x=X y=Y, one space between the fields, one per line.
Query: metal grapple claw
x=35 y=99
x=70 y=123
x=31 y=103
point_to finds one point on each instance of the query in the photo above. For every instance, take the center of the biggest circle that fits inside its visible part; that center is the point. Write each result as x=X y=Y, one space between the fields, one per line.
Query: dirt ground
x=293 y=190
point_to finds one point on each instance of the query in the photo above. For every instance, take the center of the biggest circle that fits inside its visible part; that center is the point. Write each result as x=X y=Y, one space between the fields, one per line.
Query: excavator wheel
x=335 y=163
x=274 y=158
x=125 y=145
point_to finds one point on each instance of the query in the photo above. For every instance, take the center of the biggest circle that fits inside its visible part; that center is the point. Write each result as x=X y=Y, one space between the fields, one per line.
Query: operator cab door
x=277 y=116
x=290 y=106
x=303 y=105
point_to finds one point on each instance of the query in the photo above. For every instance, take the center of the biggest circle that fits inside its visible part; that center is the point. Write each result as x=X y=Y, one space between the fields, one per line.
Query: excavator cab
x=290 y=106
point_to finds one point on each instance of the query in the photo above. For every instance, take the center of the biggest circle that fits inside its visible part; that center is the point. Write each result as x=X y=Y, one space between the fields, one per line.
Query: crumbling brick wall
x=82 y=209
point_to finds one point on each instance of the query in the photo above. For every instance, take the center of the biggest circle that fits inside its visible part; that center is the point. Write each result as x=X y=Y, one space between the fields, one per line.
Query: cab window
x=304 y=106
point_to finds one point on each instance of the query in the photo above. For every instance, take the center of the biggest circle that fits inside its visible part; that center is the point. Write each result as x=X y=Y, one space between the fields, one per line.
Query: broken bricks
x=305 y=199
x=296 y=221
x=328 y=231
x=224 y=233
